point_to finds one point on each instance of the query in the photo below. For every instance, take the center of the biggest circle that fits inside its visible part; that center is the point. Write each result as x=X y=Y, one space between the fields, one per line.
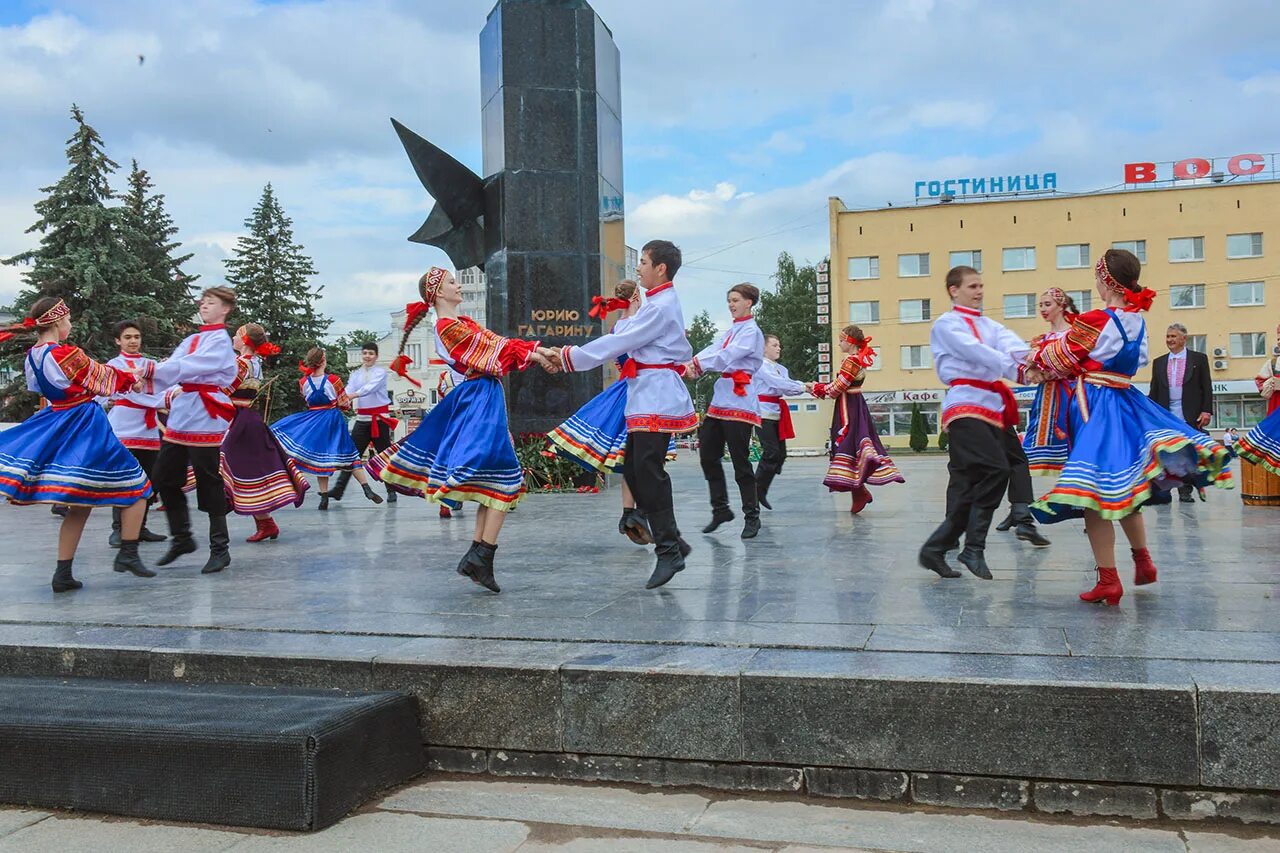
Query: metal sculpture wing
x=456 y=223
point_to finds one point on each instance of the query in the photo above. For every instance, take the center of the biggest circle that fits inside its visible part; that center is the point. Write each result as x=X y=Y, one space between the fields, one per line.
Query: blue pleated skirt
x=69 y=456
x=1261 y=445
x=596 y=435
x=1128 y=448
x=461 y=451
x=317 y=440
x=1045 y=441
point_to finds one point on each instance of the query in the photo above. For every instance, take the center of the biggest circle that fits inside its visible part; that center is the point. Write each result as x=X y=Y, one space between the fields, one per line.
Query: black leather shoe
x=1185 y=497
x=151 y=536
x=371 y=494
x=975 y=561
x=462 y=564
x=62 y=579
x=717 y=519
x=764 y=501
x=391 y=495
x=751 y=528
x=324 y=501
x=127 y=560
x=478 y=565
x=113 y=541
x=936 y=561
x=1008 y=522
x=635 y=527
x=1028 y=532
x=179 y=546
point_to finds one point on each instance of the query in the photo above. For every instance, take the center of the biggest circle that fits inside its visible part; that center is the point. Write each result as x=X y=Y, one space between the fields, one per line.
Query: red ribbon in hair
x=600 y=306
x=29 y=323
x=303 y=369
x=866 y=355
x=267 y=348
x=413 y=311
x=400 y=366
x=1139 y=300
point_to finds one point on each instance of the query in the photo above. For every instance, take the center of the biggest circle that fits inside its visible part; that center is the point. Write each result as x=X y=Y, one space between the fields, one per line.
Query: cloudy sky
x=740 y=116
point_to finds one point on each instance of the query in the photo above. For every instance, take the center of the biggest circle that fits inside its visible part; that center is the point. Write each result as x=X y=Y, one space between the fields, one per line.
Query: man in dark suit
x=1180 y=382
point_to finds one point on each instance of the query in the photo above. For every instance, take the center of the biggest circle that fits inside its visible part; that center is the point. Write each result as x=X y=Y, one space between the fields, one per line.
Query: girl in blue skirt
x=66 y=453
x=317 y=440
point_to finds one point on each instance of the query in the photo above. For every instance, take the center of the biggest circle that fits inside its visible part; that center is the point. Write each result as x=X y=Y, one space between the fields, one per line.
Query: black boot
x=129 y=561
x=933 y=554
x=974 y=559
x=750 y=496
x=751 y=527
x=219 y=545
x=718 y=517
x=180 y=529
x=634 y=524
x=368 y=493
x=391 y=495
x=62 y=580
x=666 y=538
x=324 y=501
x=146 y=535
x=113 y=540
x=975 y=541
x=340 y=487
x=478 y=565
x=1009 y=521
x=466 y=558
x=764 y=479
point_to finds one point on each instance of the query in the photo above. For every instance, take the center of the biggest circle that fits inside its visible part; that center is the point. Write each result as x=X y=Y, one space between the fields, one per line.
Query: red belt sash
x=630 y=369
x=212 y=405
x=379 y=416
x=1009 y=416
x=785 y=428
x=741 y=379
x=150 y=413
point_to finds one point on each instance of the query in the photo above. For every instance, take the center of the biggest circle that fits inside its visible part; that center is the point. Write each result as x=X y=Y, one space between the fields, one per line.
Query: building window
x=1186 y=296
x=1242 y=411
x=1244 y=293
x=894 y=419
x=1082 y=298
x=1248 y=344
x=1184 y=250
x=809 y=407
x=868 y=267
x=1244 y=245
x=913 y=311
x=1023 y=258
x=917 y=358
x=1019 y=305
x=913 y=266
x=414 y=351
x=972 y=258
x=1197 y=343
x=1138 y=247
x=1073 y=256
x=864 y=312
x=876 y=364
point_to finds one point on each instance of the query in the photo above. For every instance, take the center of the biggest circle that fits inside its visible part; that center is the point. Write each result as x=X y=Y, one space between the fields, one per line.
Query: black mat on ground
x=282 y=758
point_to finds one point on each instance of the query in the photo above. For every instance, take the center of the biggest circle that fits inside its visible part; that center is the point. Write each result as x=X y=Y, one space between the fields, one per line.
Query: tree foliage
x=919 y=441
x=701 y=332
x=790 y=311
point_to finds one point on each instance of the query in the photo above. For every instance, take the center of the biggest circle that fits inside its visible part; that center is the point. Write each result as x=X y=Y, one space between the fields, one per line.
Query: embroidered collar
x=967 y=311
x=212 y=327
x=664 y=286
x=131 y=355
x=744 y=319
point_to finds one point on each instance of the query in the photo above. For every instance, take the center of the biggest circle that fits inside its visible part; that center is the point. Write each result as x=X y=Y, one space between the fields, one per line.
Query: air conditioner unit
x=1220 y=364
x=1219 y=352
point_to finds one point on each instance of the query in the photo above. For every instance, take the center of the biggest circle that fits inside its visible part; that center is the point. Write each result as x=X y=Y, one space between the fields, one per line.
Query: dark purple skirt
x=258 y=476
x=858 y=459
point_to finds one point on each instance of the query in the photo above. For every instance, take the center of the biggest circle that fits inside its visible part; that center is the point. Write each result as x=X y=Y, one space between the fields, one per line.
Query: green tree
x=357 y=337
x=149 y=238
x=83 y=257
x=919 y=440
x=943 y=440
x=272 y=278
x=790 y=312
x=701 y=332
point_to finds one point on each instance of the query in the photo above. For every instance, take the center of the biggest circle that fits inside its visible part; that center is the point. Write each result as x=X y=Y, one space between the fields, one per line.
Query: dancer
x=734 y=411
x=374 y=424
x=658 y=403
x=595 y=436
x=260 y=478
x=317 y=439
x=972 y=353
x=772 y=382
x=133 y=419
x=66 y=453
x=449 y=379
x=462 y=450
x=1123 y=445
x=197 y=374
x=1261 y=445
x=858 y=459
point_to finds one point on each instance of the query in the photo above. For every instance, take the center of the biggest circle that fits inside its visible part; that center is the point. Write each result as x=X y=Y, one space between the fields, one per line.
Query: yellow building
x=1204 y=252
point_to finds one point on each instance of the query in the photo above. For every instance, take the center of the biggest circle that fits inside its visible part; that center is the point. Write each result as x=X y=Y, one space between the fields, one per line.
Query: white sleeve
x=206 y=365
x=961 y=343
x=640 y=331
x=721 y=357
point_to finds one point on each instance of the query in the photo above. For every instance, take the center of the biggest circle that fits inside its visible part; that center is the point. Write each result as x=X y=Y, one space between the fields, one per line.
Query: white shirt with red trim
x=657 y=399
x=741 y=348
x=205 y=358
x=128 y=422
x=774 y=380
x=967 y=345
x=367 y=387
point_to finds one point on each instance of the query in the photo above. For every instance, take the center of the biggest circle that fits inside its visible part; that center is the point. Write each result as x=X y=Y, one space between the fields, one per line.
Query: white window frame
x=1196 y=288
x=1255 y=240
x=873 y=268
x=1236 y=344
x=926 y=311
x=1137 y=247
x=1082 y=298
x=1028 y=252
x=922 y=349
x=1029 y=304
x=1257 y=287
x=874 y=305
x=922 y=265
x=1197 y=244
x=1193 y=340
x=1081 y=252
x=974 y=259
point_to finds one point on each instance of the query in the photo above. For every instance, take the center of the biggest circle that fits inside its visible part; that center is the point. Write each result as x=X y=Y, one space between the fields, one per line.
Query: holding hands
x=547 y=358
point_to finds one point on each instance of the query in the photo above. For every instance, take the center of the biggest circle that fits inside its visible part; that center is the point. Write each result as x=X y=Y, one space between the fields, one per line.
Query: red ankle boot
x=1144 y=571
x=266 y=529
x=1108 y=589
x=860 y=500
x=445 y=512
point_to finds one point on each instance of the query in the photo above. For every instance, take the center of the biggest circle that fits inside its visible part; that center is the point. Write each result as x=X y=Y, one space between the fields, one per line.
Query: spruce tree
x=919 y=440
x=149 y=237
x=271 y=276
x=790 y=312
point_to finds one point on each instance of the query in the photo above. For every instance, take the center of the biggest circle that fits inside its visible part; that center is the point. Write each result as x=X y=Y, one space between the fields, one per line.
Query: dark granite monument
x=546 y=222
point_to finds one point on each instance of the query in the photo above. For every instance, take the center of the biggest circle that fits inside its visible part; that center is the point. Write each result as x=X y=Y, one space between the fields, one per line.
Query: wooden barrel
x=1258 y=486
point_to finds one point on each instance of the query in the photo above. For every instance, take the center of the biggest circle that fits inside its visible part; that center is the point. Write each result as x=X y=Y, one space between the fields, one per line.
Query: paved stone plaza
x=815 y=578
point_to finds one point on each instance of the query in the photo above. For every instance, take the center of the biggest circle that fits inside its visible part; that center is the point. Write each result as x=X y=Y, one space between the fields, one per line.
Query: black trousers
x=1020 y=489
x=645 y=469
x=362 y=435
x=981 y=459
x=147 y=460
x=171 y=475
x=713 y=436
x=773 y=450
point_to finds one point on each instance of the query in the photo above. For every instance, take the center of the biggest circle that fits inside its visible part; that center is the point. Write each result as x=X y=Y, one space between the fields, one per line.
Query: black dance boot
x=180 y=529
x=219 y=545
x=1025 y=528
x=324 y=501
x=466 y=558
x=764 y=479
x=666 y=538
x=1009 y=520
x=750 y=496
x=129 y=561
x=62 y=580
x=478 y=565
x=974 y=559
x=145 y=535
x=975 y=541
x=718 y=517
x=391 y=495
x=368 y=493
x=337 y=490
x=635 y=526
x=933 y=554
x=113 y=540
